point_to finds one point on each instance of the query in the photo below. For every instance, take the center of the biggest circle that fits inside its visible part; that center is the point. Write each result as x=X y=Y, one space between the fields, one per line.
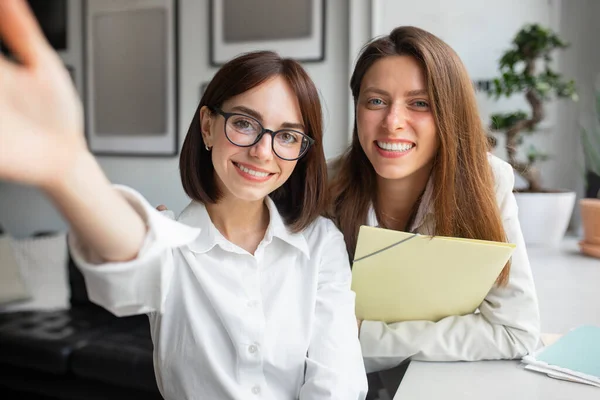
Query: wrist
x=82 y=170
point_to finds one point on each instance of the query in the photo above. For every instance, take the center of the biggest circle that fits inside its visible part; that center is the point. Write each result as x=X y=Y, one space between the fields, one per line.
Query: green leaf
x=526 y=67
x=534 y=155
x=504 y=121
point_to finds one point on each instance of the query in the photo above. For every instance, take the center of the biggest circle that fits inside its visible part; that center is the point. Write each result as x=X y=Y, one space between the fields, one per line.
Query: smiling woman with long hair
x=419 y=162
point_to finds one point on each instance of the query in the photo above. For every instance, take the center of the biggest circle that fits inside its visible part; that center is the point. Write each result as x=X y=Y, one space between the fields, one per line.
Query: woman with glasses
x=418 y=162
x=248 y=293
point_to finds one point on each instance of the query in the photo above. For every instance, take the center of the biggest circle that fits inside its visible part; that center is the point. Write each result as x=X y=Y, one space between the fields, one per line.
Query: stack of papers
x=574 y=357
x=400 y=276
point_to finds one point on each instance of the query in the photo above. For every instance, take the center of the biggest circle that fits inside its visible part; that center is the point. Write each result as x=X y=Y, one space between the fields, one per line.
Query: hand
x=41 y=118
x=162 y=207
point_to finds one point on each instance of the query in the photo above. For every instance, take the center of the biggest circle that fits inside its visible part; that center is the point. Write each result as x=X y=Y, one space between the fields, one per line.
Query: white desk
x=567 y=285
x=488 y=380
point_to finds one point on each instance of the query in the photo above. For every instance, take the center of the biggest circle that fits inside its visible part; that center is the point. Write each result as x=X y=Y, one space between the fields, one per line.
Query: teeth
x=252 y=172
x=395 y=146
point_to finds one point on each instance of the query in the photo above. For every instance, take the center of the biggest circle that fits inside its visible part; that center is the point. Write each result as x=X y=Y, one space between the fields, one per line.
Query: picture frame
x=130 y=59
x=237 y=27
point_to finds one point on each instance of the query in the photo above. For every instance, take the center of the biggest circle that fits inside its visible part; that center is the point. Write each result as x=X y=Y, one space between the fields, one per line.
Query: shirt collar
x=277 y=228
x=425 y=209
x=196 y=215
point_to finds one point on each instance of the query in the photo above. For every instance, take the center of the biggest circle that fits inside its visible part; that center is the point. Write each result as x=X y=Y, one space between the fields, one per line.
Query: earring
x=206 y=147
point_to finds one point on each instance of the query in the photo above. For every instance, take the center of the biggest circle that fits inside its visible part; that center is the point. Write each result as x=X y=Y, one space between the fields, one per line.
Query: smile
x=398 y=147
x=252 y=173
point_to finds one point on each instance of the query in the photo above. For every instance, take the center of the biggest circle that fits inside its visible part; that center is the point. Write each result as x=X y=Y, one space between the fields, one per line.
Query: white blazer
x=507 y=325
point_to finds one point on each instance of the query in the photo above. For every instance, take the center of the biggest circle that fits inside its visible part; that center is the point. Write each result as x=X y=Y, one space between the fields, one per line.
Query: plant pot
x=592 y=189
x=591 y=250
x=544 y=217
x=590 y=218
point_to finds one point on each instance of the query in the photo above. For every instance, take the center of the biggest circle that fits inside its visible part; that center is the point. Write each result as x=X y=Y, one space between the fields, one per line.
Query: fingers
x=162 y=208
x=21 y=32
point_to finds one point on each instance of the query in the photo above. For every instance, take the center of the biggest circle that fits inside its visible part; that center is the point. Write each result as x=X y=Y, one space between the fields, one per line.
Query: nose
x=396 y=118
x=263 y=149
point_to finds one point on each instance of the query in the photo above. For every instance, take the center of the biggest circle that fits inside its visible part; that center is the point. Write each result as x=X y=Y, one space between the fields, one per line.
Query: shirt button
x=256 y=390
x=252 y=349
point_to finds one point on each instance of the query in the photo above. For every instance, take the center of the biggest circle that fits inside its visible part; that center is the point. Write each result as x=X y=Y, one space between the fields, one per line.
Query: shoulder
x=194 y=214
x=504 y=182
x=327 y=247
x=325 y=240
x=321 y=231
x=504 y=176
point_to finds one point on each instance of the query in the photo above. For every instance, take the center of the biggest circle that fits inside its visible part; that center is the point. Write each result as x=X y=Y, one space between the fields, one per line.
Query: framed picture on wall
x=130 y=63
x=293 y=28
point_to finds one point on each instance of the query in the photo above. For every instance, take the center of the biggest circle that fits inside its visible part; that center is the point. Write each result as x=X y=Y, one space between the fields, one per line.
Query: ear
x=206 y=124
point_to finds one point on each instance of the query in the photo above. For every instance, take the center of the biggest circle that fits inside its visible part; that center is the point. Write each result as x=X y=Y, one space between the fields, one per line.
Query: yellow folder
x=399 y=276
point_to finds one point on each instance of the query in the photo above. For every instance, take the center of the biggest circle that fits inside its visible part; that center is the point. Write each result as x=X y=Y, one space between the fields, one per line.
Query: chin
x=393 y=172
x=250 y=194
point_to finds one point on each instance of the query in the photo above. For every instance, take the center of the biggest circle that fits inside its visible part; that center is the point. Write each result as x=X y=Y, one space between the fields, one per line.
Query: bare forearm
x=97 y=213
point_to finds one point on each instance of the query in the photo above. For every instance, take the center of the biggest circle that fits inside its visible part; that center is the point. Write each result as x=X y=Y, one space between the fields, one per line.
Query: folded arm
x=507 y=325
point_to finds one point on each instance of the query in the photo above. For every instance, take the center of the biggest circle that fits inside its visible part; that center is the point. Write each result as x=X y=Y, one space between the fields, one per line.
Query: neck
x=241 y=222
x=397 y=198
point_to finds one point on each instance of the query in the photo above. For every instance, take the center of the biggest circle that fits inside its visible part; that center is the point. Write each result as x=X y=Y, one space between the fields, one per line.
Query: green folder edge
x=578 y=351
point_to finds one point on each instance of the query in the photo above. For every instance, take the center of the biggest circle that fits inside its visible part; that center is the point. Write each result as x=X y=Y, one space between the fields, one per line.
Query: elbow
x=525 y=340
x=531 y=340
x=128 y=250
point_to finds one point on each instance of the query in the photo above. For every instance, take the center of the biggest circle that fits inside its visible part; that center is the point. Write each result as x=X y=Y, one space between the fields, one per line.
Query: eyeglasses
x=245 y=131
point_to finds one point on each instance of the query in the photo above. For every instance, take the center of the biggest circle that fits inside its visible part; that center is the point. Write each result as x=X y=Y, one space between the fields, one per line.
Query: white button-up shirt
x=227 y=324
x=508 y=322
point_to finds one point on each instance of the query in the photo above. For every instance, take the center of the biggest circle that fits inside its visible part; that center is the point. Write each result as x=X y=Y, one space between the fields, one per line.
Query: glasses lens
x=290 y=144
x=242 y=130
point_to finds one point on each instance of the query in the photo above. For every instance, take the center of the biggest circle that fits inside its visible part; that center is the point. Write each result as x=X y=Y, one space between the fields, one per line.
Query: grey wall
x=579 y=26
x=24 y=210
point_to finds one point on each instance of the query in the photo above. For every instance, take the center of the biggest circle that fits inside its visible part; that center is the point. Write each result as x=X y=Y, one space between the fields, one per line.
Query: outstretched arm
x=42 y=142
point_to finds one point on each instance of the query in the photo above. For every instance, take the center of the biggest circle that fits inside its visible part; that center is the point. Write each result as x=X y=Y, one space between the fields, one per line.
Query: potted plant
x=526 y=70
x=590 y=205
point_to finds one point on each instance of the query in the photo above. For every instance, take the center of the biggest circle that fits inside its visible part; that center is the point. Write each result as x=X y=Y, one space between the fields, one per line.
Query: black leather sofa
x=81 y=353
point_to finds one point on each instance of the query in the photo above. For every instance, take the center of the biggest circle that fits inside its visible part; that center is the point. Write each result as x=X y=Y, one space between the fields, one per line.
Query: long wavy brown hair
x=464 y=199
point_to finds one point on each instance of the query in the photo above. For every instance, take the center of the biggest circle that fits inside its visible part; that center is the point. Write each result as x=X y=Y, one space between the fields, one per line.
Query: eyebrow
x=410 y=93
x=418 y=92
x=258 y=116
